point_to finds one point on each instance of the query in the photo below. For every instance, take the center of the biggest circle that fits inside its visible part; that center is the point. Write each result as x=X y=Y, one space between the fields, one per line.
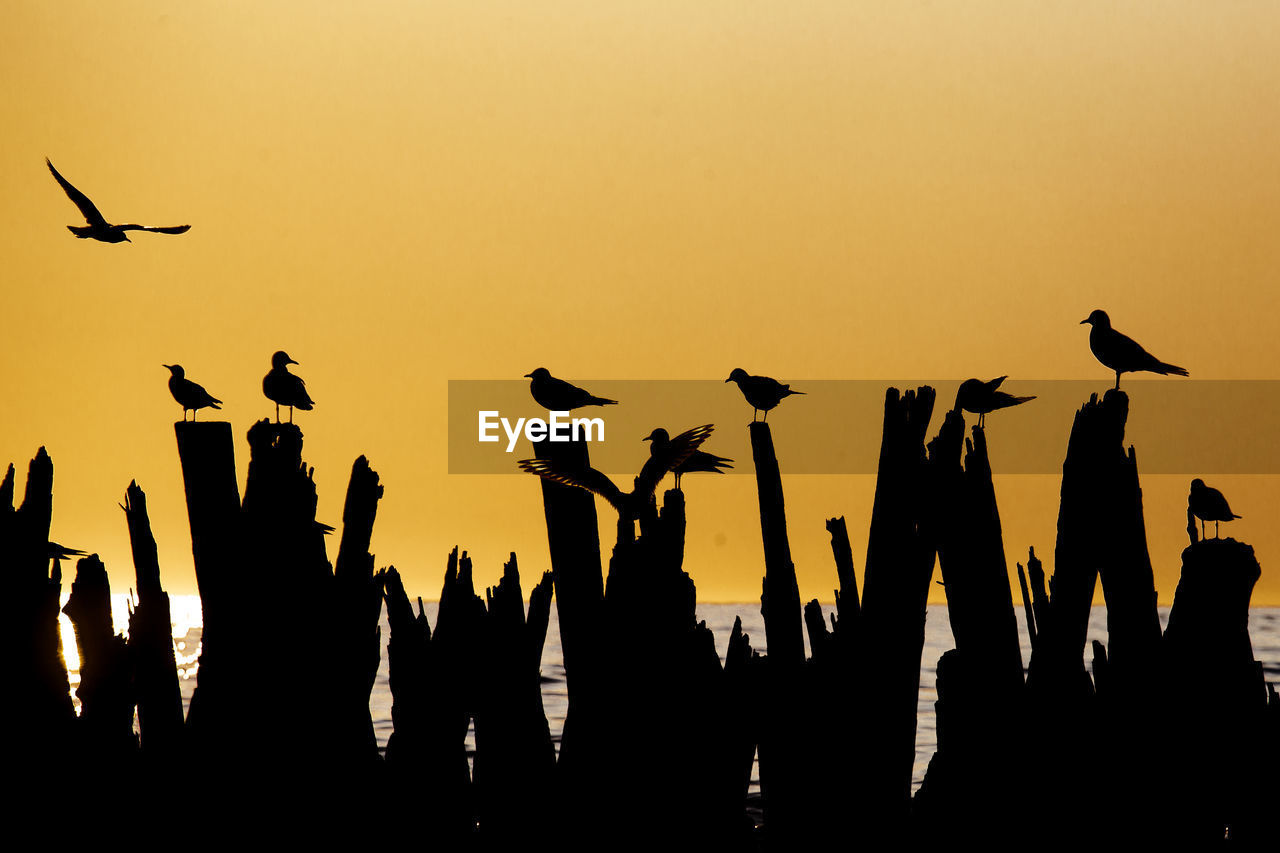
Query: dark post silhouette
x=895 y=590
x=160 y=718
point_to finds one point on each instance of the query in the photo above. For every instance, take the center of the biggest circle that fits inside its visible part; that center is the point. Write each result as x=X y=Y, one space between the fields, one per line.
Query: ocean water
x=1264 y=630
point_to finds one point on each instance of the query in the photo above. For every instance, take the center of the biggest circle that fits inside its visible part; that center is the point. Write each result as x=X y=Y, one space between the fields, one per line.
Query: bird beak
x=1084 y=321
x=730 y=379
x=647 y=438
x=291 y=361
x=528 y=376
x=167 y=366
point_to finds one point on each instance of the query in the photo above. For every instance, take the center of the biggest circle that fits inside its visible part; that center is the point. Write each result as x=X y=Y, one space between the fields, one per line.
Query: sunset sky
x=401 y=194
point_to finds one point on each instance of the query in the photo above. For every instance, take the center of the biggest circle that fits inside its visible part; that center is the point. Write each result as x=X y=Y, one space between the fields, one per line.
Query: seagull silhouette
x=1208 y=504
x=628 y=504
x=285 y=389
x=99 y=228
x=981 y=397
x=556 y=395
x=1122 y=353
x=188 y=393
x=761 y=392
x=699 y=461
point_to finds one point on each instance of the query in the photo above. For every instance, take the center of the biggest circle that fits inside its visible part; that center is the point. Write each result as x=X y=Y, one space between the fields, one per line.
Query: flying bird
x=1122 y=353
x=1208 y=504
x=761 y=392
x=981 y=397
x=99 y=228
x=699 y=461
x=188 y=393
x=284 y=388
x=628 y=504
x=556 y=395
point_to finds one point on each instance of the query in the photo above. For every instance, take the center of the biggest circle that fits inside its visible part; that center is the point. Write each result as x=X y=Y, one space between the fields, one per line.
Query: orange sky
x=399 y=194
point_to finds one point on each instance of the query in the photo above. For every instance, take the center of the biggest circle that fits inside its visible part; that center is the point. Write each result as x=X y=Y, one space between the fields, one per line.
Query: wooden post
x=159 y=695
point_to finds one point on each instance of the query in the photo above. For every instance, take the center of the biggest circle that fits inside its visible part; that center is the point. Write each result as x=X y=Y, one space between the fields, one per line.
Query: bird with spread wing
x=99 y=228
x=982 y=398
x=628 y=504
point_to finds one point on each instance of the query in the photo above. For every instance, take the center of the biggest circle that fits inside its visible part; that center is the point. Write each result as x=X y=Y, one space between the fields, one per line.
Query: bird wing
x=203 y=394
x=674 y=454
x=701 y=461
x=1003 y=400
x=569 y=392
x=167 y=229
x=298 y=392
x=582 y=478
x=995 y=383
x=1128 y=354
x=683 y=445
x=87 y=209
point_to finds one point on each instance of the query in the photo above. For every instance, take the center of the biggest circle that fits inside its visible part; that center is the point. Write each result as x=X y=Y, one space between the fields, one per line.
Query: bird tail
x=214 y=403
x=81 y=231
x=1017 y=400
x=600 y=401
x=791 y=390
x=1165 y=369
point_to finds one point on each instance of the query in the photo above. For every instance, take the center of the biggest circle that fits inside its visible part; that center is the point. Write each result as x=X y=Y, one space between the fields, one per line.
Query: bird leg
x=291 y=414
x=1215 y=530
x=277 y=413
x=1202 y=529
x=1117 y=380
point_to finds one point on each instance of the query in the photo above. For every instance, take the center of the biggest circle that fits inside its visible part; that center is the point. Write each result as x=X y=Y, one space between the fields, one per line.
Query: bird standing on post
x=981 y=397
x=98 y=228
x=556 y=395
x=188 y=393
x=761 y=392
x=1122 y=353
x=699 y=461
x=285 y=389
x=1208 y=504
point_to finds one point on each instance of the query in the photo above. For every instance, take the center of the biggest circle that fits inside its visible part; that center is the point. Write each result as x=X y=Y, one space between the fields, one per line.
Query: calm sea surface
x=1264 y=629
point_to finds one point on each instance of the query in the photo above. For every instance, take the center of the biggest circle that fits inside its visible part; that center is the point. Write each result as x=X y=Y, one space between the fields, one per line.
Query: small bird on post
x=699 y=461
x=1208 y=504
x=188 y=393
x=761 y=392
x=98 y=228
x=1122 y=353
x=556 y=395
x=980 y=397
x=284 y=388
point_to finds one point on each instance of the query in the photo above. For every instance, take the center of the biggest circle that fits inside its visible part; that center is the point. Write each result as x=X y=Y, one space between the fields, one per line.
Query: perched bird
x=628 y=504
x=696 y=462
x=1122 y=353
x=556 y=395
x=285 y=389
x=1208 y=504
x=188 y=393
x=761 y=392
x=981 y=397
x=98 y=227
